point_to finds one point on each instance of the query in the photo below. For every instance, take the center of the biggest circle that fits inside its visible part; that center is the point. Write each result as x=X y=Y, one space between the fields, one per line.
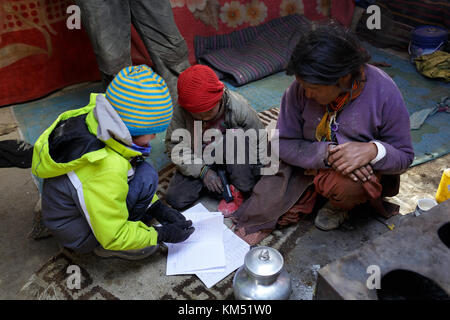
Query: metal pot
x=426 y=40
x=262 y=277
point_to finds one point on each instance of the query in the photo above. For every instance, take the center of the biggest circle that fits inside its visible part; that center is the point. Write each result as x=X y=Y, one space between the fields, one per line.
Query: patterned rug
x=103 y=278
x=111 y=279
x=106 y=278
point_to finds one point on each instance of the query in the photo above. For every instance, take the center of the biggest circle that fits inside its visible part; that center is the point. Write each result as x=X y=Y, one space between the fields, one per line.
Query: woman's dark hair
x=325 y=54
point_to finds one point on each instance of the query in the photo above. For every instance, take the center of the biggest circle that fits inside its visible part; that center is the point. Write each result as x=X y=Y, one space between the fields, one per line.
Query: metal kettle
x=262 y=277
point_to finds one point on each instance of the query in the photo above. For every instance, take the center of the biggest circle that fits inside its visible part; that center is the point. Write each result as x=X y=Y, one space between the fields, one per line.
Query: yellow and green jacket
x=85 y=164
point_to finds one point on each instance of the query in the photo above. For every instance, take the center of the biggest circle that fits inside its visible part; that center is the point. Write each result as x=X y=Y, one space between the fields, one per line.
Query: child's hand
x=175 y=232
x=212 y=181
x=165 y=214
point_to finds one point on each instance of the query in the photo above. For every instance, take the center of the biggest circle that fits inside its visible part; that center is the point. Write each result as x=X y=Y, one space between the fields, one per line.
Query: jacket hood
x=79 y=137
x=110 y=125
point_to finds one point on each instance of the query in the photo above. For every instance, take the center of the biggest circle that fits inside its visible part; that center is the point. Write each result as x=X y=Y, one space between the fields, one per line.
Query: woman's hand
x=363 y=174
x=352 y=158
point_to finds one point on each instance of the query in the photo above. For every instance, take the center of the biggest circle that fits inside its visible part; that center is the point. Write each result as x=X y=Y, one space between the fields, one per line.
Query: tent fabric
x=400 y=17
x=207 y=18
x=419 y=12
x=40 y=54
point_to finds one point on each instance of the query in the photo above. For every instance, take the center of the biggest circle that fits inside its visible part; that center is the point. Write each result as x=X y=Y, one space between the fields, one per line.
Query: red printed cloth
x=39 y=54
x=211 y=17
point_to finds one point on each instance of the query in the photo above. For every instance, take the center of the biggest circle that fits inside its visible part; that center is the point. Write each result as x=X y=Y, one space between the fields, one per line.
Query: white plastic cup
x=423 y=205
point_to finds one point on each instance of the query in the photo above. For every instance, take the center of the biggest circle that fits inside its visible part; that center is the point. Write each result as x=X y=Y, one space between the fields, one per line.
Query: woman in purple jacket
x=343 y=134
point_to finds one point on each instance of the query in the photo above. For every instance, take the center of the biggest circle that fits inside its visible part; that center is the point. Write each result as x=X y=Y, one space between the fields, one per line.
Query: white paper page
x=235 y=251
x=197 y=208
x=203 y=229
x=208 y=227
x=189 y=258
x=204 y=249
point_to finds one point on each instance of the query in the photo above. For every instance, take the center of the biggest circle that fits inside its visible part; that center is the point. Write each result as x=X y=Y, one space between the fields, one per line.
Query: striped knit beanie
x=142 y=100
x=199 y=89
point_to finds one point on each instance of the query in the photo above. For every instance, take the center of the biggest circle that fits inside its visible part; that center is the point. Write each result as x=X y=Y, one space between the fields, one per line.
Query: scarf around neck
x=328 y=123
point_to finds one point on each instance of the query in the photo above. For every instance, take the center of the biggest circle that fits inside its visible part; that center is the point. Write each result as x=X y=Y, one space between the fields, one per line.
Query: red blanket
x=212 y=17
x=39 y=54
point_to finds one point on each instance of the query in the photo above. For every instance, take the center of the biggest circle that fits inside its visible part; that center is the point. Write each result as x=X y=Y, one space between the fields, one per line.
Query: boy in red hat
x=202 y=97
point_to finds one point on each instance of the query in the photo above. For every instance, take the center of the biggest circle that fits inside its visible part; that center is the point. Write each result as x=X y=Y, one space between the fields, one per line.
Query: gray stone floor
x=20 y=256
x=311 y=250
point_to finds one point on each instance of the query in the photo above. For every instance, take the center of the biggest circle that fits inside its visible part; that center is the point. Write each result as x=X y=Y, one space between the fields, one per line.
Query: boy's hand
x=165 y=214
x=212 y=181
x=175 y=232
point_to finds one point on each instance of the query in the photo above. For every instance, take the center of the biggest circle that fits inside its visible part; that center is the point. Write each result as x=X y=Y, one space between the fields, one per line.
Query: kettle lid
x=263 y=261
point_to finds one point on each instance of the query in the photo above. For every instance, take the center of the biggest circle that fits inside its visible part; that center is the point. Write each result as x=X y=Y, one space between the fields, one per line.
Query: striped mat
x=252 y=53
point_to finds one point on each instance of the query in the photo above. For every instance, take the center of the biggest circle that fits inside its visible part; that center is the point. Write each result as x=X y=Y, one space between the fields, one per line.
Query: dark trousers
x=108 y=24
x=183 y=191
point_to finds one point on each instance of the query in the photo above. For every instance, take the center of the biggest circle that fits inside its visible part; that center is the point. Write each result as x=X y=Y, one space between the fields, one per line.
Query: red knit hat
x=199 y=89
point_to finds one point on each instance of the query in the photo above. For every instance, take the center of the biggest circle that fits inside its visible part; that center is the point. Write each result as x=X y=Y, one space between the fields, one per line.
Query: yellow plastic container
x=443 y=191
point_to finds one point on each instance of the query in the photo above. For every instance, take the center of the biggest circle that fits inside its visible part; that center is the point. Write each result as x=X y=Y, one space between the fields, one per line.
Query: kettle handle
x=264 y=255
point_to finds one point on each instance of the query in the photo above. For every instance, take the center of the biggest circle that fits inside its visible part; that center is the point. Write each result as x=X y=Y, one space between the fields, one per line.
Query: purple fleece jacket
x=379 y=114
